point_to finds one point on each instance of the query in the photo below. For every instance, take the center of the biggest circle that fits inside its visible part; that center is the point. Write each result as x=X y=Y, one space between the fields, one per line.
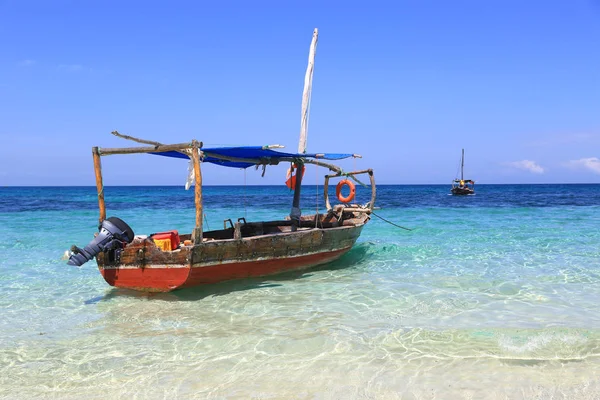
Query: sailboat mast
x=462 y=164
x=307 y=93
x=296 y=213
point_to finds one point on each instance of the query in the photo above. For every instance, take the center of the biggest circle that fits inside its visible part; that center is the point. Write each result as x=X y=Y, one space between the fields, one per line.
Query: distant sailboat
x=463 y=186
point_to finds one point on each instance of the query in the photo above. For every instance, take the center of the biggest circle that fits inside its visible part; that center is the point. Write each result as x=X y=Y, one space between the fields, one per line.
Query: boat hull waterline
x=142 y=266
x=462 y=191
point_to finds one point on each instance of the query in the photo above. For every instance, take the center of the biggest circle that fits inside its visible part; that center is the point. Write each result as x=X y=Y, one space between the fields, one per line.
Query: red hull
x=265 y=250
x=224 y=272
x=149 y=279
x=164 y=279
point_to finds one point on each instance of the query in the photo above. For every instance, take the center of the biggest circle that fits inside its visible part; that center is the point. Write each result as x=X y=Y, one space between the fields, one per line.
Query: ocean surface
x=491 y=296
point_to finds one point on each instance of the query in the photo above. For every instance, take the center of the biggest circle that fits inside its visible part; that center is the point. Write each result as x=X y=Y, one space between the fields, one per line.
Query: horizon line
x=273 y=185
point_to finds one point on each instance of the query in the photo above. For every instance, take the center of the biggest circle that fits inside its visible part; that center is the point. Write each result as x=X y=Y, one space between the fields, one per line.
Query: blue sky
x=407 y=84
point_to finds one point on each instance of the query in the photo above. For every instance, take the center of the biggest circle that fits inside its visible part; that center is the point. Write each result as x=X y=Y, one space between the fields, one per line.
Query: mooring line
x=390 y=222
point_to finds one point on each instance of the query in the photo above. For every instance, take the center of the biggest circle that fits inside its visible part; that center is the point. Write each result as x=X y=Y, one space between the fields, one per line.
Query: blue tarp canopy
x=253 y=154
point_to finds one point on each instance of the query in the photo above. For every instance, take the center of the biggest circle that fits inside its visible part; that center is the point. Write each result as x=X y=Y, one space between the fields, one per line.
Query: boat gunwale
x=187 y=251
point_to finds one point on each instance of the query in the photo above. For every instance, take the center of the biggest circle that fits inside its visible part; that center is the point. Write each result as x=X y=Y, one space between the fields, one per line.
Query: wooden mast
x=197 y=192
x=99 y=184
x=296 y=212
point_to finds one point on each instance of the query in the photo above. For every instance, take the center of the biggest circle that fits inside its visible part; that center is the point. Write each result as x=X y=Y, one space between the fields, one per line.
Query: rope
x=390 y=222
x=458 y=168
x=317 y=196
x=245 y=193
x=354 y=178
x=206 y=220
x=358 y=181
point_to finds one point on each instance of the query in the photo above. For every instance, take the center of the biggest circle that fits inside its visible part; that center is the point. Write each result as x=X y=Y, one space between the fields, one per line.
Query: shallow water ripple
x=491 y=297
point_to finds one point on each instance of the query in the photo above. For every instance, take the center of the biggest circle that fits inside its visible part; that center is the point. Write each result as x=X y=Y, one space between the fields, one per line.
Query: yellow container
x=163 y=244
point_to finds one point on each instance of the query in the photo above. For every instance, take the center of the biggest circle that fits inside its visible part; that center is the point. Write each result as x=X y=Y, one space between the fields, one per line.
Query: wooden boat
x=462 y=186
x=244 y=249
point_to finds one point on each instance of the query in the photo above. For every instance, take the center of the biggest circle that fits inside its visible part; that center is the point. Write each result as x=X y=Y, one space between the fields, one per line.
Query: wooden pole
x=149 y=149
x=296 y=212
x=197 y=192
x=326 y=192
x=350 y=173
x=144 y=141
x=373 y=190
x=99 y=184
x=331 y=167
x=152 y=142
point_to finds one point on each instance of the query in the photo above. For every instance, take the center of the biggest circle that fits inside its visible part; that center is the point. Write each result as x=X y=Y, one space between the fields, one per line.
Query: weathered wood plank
x=147 y=149
x=197 y=192
x=99 y=183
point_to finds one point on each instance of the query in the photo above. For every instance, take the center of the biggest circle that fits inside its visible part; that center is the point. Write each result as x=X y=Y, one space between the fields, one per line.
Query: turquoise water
x=491 y=296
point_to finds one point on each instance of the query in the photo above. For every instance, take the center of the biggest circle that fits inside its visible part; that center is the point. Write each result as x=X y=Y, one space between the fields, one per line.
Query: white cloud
x=70 y=67
x=527 y=165
x=26 y=63
x=591 y=163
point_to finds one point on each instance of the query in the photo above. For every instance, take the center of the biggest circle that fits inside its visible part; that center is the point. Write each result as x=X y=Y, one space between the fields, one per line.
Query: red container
x=173 y=236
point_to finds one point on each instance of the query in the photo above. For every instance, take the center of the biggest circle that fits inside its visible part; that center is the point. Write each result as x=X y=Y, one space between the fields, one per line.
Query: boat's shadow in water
x=348 y=260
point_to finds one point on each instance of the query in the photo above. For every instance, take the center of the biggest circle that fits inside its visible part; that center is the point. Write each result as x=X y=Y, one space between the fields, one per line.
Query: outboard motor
x=114 y=234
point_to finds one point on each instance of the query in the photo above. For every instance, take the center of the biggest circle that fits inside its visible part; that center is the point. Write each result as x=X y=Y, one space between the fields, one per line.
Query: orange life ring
x=338 y=191
x=291 y=178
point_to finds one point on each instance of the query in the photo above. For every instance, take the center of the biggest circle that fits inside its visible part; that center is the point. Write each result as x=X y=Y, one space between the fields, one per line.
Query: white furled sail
x=307 y=93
